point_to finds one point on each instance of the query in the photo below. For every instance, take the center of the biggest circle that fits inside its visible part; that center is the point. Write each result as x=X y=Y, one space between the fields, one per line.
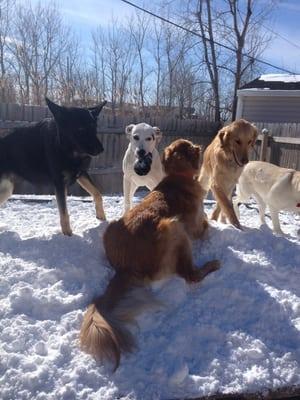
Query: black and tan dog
x=55 y=151
x=151 y=241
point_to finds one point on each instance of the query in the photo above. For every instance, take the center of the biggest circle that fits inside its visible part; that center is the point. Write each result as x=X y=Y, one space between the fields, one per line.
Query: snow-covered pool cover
x=280 y=78
x=237 y=331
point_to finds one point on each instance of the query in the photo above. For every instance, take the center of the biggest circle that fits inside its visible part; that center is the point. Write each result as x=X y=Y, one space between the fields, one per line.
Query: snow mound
x=237 y=331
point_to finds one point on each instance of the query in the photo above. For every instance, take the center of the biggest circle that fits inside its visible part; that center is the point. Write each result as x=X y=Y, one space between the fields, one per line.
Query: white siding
x=270 y=109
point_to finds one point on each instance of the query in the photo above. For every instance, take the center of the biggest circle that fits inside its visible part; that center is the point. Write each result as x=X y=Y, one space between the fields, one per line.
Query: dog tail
x=103 y=332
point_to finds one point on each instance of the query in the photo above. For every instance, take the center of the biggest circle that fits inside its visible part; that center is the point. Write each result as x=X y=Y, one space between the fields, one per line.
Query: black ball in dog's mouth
x=142 y=165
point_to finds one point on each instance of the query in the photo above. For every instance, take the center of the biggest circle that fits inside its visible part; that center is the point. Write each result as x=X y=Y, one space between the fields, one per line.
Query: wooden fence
x=15 y=114
x=281 y=146
x=106 y=169
x=278 y=144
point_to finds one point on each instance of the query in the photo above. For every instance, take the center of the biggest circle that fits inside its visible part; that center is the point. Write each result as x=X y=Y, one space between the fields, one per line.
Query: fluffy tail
x=103 y=334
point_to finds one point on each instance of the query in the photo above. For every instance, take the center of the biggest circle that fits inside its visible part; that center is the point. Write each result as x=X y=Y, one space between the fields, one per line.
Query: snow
x=237 y=331
x=280 y=78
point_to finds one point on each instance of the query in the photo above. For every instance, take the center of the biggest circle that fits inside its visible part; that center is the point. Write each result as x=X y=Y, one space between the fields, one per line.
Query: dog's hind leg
x=186 y=268
x=261 y=207
x=6 y=189
x=86 y=183
x=178 y=253
x=275 y=221
x=61 y=193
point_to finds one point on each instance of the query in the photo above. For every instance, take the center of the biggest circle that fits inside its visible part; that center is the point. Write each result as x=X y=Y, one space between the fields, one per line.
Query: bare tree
x=65 y=76
x=180 y=82
x=6 y=83
x=205 y=21
x=112 y=63
x=99 y=62
x=236 y=24
x=248 y=41
x=40 y=38
x=157 y=54
x=138 y=29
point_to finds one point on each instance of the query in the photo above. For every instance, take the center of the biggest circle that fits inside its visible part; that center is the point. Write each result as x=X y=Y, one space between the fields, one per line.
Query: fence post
x=264 y=145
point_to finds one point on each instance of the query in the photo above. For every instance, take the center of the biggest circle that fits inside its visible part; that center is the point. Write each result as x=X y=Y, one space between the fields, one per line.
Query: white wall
x=269 y=105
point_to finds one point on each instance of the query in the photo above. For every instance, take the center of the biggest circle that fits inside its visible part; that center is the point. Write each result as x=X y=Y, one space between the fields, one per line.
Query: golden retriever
x=223 y=163
x=151 y=241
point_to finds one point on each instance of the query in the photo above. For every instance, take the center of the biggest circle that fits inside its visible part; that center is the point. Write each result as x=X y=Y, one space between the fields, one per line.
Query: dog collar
x=184 y=174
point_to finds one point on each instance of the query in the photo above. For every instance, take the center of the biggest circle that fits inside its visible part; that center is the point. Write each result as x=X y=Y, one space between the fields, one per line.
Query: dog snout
x=141 y=153
x=244 y=160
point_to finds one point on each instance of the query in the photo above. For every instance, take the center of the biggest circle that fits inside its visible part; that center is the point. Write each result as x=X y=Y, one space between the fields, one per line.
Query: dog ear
x=223 y=136
x=95 y=111
x=198 y=151
x=165 y=158
x=158 y=134
x=255 y=135
x=198 y=148
x=128 y=130
x=56 y=110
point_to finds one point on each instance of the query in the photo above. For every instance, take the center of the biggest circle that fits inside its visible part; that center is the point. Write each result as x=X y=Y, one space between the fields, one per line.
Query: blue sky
x=84 y=15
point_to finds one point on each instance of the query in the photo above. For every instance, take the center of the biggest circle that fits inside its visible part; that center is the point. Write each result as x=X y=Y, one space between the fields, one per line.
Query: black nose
x=141 y=153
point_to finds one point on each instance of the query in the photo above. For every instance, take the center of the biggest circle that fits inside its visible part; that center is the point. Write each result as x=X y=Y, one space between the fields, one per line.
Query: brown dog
x=151 y=241
x=223 y=164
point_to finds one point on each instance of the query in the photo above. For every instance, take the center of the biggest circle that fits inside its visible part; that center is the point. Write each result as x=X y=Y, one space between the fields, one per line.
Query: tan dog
x=151 y=241
x=223 y=164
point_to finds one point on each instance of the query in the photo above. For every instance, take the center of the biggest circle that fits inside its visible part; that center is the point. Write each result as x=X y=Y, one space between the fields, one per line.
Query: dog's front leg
x=87 y=184
x=61 y=193
x=225 y=205
x=216 y=212
x=129 y=189
x=126 y=192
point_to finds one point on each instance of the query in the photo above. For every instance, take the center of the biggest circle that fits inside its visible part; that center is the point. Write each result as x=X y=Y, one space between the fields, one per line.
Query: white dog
x=272 y=186
x=141 y=164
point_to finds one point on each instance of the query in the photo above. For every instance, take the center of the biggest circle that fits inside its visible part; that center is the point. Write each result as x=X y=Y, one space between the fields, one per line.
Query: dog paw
x=67 y=231
x=198 y=274
x=279 y=233
x=101 y=217
x=238 y=226
x=213 y=265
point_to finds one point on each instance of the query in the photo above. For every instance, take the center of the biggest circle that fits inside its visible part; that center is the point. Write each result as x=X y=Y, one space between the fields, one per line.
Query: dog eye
x=148 y=139
x=136 y=137
x=238 y=141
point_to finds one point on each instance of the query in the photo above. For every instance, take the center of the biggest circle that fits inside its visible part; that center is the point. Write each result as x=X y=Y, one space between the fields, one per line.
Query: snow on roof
x=279 y=78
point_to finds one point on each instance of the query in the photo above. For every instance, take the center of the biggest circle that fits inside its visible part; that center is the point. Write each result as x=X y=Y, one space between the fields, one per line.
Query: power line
x=273 y=32
x=206 y=39
x=281 y=36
